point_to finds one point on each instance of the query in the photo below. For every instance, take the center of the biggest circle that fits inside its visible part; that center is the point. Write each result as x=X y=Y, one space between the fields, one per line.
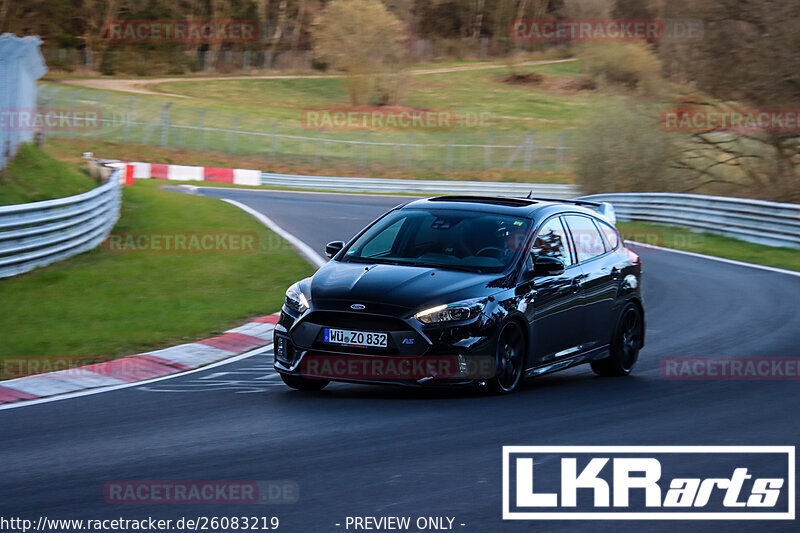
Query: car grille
x=357 y=321
x=308 y=333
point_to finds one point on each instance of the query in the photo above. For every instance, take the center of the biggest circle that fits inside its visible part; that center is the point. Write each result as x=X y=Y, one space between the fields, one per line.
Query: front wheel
x=510 y=359
x=625 y=344
x=301 y=383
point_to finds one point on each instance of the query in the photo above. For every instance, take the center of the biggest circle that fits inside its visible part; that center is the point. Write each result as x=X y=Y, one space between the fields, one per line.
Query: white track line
x=720 y=259
x=301 y=247
x=408 y=196
x=89 y=392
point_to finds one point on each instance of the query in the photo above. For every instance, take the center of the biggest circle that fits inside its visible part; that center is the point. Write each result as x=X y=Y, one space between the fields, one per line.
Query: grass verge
x=34 y=175
x=105 y=303
x=710 y=244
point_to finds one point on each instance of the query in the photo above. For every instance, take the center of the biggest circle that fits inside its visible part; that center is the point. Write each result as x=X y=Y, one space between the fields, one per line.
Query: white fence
x=39 y=233
x=21 y=65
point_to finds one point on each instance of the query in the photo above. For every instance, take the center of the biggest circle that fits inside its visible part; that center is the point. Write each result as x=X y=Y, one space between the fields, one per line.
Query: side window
x=585 y=235
x=383 y=242
x=551 y=240
x=611 y=235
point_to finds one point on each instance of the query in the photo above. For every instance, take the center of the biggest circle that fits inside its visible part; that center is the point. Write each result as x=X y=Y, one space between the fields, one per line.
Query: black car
x=530 y=286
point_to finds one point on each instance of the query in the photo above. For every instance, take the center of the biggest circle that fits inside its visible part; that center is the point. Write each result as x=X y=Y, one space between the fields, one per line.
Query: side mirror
x=544 y=265
x=333 y=248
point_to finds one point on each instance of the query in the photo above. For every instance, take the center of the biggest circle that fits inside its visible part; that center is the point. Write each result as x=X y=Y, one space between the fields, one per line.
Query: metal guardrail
x=757 y=221
x=390 y=185
x=39 y=233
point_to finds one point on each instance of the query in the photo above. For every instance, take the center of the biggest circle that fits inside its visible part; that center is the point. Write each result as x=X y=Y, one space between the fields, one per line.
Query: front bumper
x=456 y=355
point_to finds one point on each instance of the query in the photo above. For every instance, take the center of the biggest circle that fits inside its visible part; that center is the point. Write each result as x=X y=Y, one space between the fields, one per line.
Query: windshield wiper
x=374 y=261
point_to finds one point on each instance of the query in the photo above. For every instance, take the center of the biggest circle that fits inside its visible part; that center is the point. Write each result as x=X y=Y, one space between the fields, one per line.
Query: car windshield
x=442 y=238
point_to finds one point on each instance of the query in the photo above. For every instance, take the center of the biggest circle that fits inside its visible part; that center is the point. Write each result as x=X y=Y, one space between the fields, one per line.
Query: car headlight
x=463 y=310
x=296 y=300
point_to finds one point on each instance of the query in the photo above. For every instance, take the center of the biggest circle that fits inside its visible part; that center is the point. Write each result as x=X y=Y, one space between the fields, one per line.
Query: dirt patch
x=147 y=85
x=556 y=84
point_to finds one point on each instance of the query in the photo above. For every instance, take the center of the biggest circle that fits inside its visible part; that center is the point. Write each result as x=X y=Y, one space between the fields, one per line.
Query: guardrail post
x=487 y=151
x=530 y=150
x=202 y=131
x=232 y=134
x=363 y=162
x=408 y=149
x=449 y=162
x=274 y=144
x=317 y=147
x=164 y=121
x=523 y=146
x=126 y=129
x=73 y=105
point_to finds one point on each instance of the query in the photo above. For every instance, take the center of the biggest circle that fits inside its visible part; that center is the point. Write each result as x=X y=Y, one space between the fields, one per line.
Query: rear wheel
x=510 y=359
x=625 y=344
x=301 y=383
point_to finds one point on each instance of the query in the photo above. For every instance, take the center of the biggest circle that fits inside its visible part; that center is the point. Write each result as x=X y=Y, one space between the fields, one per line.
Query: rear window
x=610 y=234
x=586 y=236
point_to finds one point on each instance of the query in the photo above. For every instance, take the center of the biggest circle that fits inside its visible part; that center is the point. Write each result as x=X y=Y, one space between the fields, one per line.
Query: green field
x=33 y=175
x=494 y=118
x=117 y=303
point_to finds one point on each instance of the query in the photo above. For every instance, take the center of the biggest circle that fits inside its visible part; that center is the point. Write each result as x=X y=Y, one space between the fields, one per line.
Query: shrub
x=632 y=65
x=361 y=38
x=622 y=148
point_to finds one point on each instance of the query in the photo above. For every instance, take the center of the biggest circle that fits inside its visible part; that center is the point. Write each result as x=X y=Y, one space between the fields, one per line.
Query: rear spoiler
x=607 y=210
x=603 y=208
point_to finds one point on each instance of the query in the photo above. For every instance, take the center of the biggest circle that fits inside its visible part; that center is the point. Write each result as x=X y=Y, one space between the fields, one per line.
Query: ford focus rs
x=467 y=290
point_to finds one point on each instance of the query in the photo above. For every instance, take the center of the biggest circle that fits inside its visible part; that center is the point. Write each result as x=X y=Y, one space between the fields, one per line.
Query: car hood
x=392 y=285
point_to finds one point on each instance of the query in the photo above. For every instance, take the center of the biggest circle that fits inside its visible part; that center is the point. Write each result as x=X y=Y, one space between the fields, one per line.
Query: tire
x=304 y=384
x=625 y=344
x=510 y=359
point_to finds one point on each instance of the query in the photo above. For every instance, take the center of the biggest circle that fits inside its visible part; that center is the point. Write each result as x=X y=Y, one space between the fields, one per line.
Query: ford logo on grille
x=358 y=307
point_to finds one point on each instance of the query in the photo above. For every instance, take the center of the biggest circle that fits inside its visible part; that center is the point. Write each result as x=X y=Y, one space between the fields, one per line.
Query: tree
x=96 y=15
x=362 y=39
x=747 y=55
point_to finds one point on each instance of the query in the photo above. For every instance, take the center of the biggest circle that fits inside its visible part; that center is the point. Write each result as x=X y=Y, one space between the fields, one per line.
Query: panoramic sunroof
x=511 y=202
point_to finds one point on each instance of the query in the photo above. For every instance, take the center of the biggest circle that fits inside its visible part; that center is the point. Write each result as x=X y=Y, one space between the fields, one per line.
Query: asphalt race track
x=364 y=450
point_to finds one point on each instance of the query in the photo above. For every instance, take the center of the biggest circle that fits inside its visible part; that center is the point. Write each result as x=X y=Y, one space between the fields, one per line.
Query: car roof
x=528 y=207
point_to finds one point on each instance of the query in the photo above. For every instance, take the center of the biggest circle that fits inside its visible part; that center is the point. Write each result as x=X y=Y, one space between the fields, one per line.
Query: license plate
x=366 y=339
